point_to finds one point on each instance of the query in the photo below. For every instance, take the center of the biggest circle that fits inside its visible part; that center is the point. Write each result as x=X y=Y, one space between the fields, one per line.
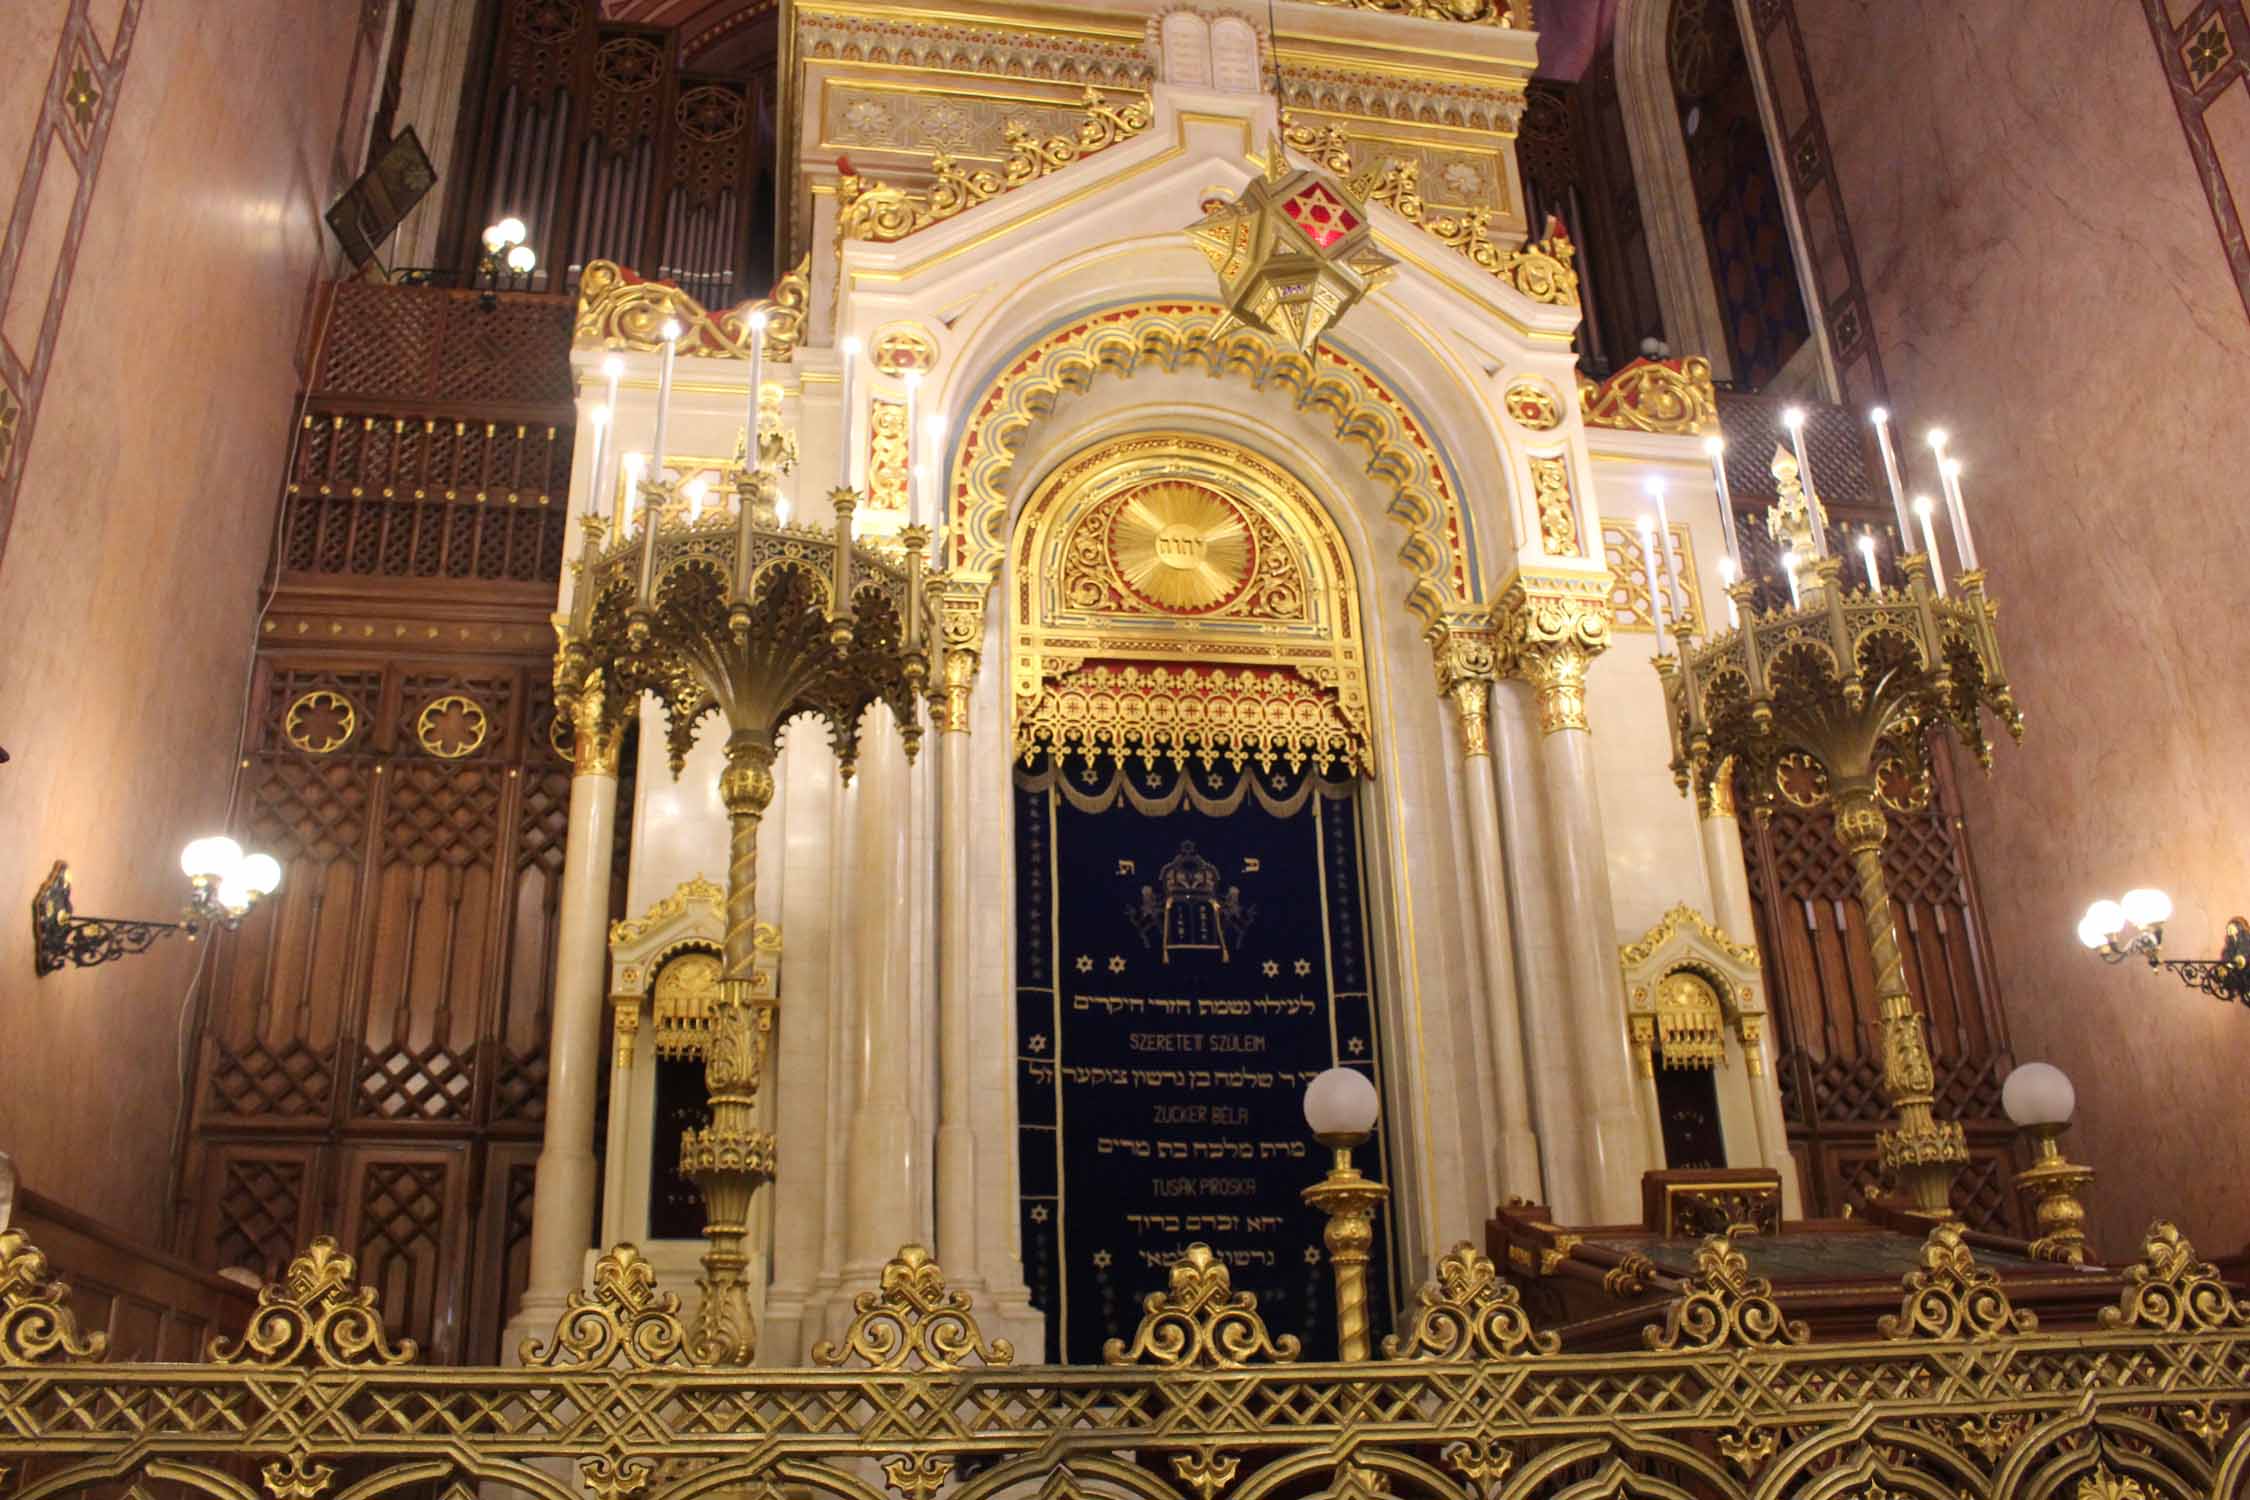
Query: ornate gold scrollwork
x=1467 y=1312
x=619 y=310
x=1200 y=1321
x=36 y=1322
x=1952 y=1297
x=1653 y=395
x=624 y=1317
x=868 y=210
x=1725 y=1306
x=1466 y=12
x=1541 y=270
x=315 y=1316
x=1558 y=508
x=1186 y=712
x=2172 y=1291
x=913 y=1320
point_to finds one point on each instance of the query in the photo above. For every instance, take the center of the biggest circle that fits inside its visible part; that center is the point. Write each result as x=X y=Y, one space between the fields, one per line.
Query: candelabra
x=2116 y=930
x=1830 y=703
x=736 y=613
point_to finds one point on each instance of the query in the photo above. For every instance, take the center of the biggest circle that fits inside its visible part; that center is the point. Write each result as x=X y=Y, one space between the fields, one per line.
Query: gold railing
x=1959 y=1394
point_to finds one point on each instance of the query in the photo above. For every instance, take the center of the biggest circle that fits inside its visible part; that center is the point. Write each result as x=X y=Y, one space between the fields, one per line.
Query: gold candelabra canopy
x=732 y=612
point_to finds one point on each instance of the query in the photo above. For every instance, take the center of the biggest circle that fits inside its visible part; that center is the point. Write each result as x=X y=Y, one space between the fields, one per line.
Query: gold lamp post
x=1829 y=703
x=2039 y=1099
x=1340 y=1106
x=733 y=612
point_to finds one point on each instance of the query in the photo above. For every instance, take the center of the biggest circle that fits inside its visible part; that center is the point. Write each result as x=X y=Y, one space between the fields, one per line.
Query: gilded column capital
x=1551 y=627
x=960 y=615
x=597 y=728
x=1465 y=650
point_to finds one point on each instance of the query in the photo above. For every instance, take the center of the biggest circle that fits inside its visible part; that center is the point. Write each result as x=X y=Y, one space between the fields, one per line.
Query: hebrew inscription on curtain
x=1191 y=952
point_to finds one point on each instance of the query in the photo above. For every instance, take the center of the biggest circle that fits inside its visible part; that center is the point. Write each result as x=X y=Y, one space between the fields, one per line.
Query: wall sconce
x=2134 y=923
x=223 y=884
x=2038 y=1097
x=507 y=262
x=1340 y=1106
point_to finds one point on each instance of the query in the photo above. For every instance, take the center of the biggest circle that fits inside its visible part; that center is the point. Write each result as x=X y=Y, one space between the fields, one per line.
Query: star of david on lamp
x=1293 y=252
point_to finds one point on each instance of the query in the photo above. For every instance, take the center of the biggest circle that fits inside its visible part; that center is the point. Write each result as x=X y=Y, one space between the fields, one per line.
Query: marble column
x=957 y=1248
x=880 y=1152
x=1465 y=676
x=562 y=1205
x=1610 y=1139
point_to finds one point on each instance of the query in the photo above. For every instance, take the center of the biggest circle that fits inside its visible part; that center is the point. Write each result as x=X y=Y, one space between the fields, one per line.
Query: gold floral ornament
x=1653 y=395
x=1541 y=270
x=624 y=1317
x=1465 y=12
x=1952 y=1297
x=36 y=1322
x=320 y=722
x=870 y=210
x=297 y=1479
x=1200 y=1321
x=315 y=1316
x=1467 y=1312
x=914 y=1320
x=617 y=309
x=2172 y=1291
x=1725 y=1306
x=1193 y=712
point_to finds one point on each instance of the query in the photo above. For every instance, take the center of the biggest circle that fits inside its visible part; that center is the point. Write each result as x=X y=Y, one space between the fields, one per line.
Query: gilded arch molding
x=1173 y=335
x=1178 y=597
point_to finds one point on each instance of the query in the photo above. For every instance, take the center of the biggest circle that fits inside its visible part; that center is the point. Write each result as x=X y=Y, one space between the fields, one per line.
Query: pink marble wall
x=2045 y=278
x=164 y=237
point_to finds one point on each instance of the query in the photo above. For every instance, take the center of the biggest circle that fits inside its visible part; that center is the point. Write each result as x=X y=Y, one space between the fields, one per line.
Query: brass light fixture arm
x=63 y=939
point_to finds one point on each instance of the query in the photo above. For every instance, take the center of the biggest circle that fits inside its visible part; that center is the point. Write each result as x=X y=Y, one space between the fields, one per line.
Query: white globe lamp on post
x=2038 y=1097
x=1341 y=1106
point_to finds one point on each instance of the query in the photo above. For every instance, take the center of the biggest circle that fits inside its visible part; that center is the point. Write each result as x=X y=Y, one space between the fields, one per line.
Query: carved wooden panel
x=405 y=1220
x=503 y=1247
x=431 y=351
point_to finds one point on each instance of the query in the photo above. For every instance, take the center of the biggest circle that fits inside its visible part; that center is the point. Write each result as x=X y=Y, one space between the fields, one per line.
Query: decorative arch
x=1180 y=595
x=1174 y=334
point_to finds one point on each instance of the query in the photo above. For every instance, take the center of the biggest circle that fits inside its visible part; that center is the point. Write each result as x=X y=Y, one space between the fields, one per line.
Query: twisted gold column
x=1920 y=1153
x=730 y=1158
x=1350 y=1201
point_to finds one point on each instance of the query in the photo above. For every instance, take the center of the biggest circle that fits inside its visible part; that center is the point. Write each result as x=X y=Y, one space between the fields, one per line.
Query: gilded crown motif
x=2172 y=1290
x=1725 y=1306
x=1200 y=1321
x=1467 y=1312
x=1953 y=1297
x=624 y=1317
x=36 y=1322
x=315 y=1316
x=913 y=1320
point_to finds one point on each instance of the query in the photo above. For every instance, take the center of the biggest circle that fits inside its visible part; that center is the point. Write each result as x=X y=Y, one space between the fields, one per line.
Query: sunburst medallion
x=1180 y=547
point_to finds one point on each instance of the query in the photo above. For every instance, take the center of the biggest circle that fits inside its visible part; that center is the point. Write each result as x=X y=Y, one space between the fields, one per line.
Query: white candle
x=933 y=430
x=850 y=350
x=599 y=416
x=1950 y=472
x=1664 y=559
x=1655 y=588
x=1922 y=509
x=1794 y=420
x=781 y=509
x=1728 y=572
x=664 y=399
x=1867 y=556
x=750 y=457
x=695 y=489
x=627 y=505
x=1717 y=448
x=913 y=489
x=1882 y=421
x=1789 y=568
